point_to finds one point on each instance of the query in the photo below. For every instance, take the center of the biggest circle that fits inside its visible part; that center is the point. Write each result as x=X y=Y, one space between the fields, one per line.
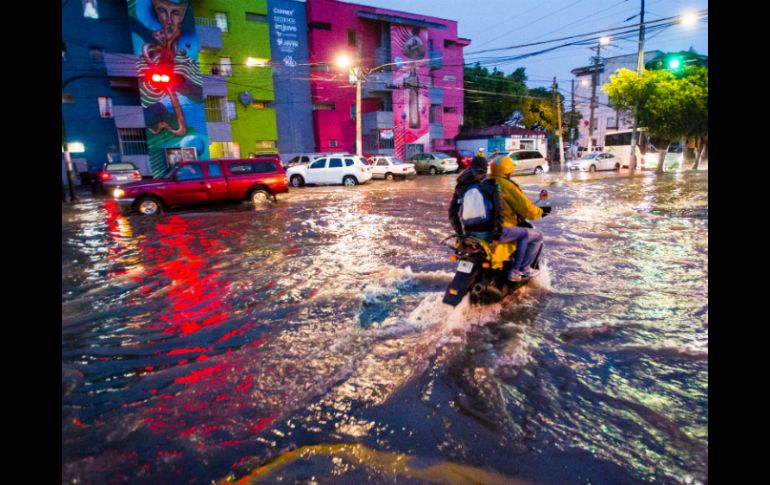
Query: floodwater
x=307 y=342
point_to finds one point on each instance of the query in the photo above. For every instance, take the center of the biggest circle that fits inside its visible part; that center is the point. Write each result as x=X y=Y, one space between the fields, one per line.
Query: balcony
x=120 y=65
x=376 y=120
x=377 y=84
x=209 y=35
x=436 y=59
x=128 y=116
x=436 y=95
x=214 y=85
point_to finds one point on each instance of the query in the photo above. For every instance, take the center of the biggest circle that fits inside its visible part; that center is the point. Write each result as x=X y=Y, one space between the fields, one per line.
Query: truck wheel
x=260 y=198
x=149 y=205
x=388 y=176
x=297 y=181
x=349 y=181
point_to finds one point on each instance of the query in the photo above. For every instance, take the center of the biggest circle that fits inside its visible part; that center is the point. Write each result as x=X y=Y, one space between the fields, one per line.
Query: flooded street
x=307 y=342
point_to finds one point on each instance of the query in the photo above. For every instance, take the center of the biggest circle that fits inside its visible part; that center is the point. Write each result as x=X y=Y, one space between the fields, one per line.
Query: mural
x=411 y=100
x=170 y=82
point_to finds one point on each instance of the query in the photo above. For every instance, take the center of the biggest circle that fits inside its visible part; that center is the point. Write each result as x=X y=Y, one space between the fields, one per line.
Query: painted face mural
x=411 y=100
x=171 y=86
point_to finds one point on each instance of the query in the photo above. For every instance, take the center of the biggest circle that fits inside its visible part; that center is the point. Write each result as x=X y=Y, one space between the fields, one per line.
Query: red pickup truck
x=201 y=181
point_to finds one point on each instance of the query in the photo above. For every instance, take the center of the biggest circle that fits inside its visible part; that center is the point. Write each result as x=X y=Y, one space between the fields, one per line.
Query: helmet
x=480 y=152
x=502 y=167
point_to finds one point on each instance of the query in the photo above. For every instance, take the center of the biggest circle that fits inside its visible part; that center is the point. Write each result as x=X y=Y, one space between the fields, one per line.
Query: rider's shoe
x=514 y=275
x=530 y=272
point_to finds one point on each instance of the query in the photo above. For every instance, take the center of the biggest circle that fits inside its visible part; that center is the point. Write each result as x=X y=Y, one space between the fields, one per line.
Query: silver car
x=114 y=174
x=434 y=163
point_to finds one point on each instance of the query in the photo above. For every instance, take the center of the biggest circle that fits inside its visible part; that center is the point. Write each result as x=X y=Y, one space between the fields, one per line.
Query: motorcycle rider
x=516 y=207
x=476 y=173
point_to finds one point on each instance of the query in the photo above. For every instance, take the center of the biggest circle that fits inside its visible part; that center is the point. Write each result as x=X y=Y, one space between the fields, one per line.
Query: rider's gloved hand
x=546 y=210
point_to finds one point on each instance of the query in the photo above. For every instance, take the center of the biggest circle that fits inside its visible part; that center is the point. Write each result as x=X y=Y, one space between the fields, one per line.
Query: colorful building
x=166 y=80
x=412 y=97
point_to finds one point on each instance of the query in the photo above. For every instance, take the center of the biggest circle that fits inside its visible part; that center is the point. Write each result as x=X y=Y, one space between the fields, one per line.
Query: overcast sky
x=501 y=23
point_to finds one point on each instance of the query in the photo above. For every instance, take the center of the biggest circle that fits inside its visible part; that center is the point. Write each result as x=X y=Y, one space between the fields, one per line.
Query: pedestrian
x=517 y=208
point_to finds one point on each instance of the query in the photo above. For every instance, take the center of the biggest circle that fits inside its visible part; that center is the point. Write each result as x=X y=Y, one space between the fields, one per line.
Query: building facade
x=502 y=138
x=412 y=96
x=606 y=119
x=166 y=80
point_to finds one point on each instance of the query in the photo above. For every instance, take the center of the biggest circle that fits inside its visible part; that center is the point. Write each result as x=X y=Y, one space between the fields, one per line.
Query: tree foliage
x=670 y=105
x=492 y=98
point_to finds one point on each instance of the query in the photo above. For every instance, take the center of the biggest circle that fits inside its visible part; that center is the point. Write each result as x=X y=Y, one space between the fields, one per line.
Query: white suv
x=527 y=161
x=347 y=170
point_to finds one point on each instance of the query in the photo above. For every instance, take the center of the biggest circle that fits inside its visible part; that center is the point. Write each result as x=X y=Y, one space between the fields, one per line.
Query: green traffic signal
x=674 y=63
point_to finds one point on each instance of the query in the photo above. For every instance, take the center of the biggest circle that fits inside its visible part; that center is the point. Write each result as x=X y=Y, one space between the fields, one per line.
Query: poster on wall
x=176 y=155
x=170 y=82
x=411 y=100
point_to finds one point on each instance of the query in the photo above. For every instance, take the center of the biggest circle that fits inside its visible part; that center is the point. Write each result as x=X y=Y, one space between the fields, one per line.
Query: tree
x=670 y=105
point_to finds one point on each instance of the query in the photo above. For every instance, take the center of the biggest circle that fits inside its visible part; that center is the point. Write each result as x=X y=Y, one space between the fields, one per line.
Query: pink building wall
x=333 y=86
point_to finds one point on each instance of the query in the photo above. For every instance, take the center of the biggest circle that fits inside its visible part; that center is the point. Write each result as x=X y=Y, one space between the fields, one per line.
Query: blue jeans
x=528 y=243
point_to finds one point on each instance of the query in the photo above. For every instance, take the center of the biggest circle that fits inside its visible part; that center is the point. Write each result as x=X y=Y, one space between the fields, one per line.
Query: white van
x=527 y=161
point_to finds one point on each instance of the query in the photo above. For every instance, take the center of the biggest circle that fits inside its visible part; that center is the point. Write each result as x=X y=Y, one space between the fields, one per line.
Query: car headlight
x=118 y=193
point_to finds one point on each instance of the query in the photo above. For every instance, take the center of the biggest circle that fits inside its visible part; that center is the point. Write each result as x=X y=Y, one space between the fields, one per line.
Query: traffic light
x=673 y=63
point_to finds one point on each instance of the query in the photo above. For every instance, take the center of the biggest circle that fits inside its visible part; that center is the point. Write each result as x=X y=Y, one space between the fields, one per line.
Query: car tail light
x=106 y=176
x=404 y=169
x=136 y=175
x=443 y=162
x=363 y=169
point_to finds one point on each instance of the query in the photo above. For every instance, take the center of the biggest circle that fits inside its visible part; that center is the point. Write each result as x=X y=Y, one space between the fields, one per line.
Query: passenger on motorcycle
x=475 y=174
x=515 y=208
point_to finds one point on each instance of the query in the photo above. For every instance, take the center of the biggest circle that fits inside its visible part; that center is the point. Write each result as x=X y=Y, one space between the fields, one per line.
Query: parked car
x=258 y=180
x=113 y=174
x=463 y=157
x=593 y=162
x=309 y=157
x=388 y=168
x=347 y=170
x=527 y=161
x=434 y=163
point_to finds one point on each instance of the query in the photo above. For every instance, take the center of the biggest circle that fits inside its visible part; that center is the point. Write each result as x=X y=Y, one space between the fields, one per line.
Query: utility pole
x=594 y=82
x=572 y=120
x=639 y=68
x=359 y=70
x=557 y=107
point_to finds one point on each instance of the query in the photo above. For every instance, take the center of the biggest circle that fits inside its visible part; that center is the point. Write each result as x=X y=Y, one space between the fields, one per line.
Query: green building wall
x=244 y=39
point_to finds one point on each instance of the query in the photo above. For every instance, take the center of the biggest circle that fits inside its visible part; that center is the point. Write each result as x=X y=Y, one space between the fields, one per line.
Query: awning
x=396 y=19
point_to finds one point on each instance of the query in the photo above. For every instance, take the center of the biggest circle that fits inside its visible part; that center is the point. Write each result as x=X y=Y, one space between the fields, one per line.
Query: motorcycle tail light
x=485 y=265
x=453 y=258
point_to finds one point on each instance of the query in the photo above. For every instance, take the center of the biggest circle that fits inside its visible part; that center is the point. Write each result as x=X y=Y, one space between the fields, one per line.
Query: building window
x=324 y=106
x=96 y=54
x=105 y=106
x=353 y=112
x=226 y=66
x=612 y=122
x=256 y=17
x=261 y=104
x=320 y=25
x=450 y=78
x=333 y=143
x=215 y=109
x=221 y=20
x=133 y=141
x=351 y=37
x=232 y=112
x=90 y=9
x=435 y=113
x=261 y=144
x=450 y=109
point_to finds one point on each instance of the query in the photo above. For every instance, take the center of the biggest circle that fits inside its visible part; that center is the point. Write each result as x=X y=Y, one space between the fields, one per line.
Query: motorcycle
x=474 y=272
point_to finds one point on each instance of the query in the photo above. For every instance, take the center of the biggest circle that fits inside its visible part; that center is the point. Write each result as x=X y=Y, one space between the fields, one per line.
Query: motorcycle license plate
x=465 y=267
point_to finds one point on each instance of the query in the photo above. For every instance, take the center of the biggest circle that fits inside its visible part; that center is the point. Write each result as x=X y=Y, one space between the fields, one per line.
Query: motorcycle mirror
x=543 y=194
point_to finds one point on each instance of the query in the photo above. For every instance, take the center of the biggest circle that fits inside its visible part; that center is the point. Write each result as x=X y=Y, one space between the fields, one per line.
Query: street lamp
x=344 y=61
x=688 y=19
x=594 y=81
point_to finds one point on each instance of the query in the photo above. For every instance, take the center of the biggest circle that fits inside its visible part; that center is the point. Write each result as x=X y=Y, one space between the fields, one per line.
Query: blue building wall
x=291 y=76
x=111 y=33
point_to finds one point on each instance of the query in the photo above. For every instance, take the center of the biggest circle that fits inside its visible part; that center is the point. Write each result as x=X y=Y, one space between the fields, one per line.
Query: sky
x=501 y=23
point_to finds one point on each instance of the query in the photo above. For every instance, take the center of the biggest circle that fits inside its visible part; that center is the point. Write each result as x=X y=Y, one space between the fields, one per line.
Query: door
x=217 y=183
x=315 y=172
x=521 y=161
x=190 y=185
x=334 y=171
